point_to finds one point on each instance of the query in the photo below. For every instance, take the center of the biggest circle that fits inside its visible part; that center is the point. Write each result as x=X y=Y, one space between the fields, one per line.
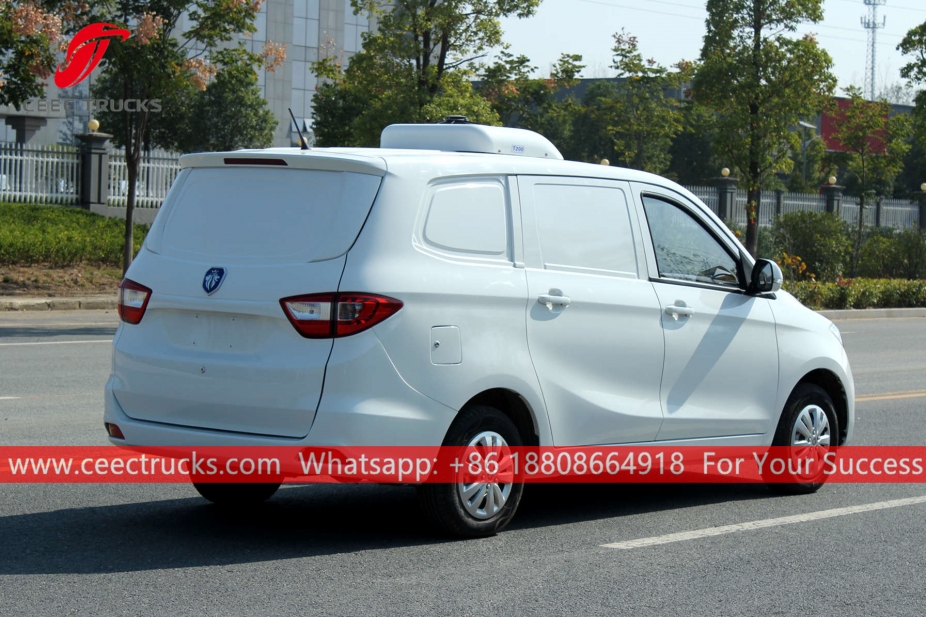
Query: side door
x=720 y=376
x=593 y=320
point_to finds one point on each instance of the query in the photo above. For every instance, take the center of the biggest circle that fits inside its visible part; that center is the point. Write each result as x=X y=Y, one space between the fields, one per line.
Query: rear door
x=221 y=354
x=721 y=370
x=593 y=324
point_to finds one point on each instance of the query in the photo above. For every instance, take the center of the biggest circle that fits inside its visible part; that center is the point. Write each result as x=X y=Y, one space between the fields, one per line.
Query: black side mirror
x=766 y=277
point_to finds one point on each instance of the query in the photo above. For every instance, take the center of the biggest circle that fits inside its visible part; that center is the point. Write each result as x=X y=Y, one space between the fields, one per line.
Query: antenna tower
x=872 y=24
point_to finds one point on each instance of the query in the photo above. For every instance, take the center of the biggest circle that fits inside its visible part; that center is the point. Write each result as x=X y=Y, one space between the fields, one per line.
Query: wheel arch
x=832 y=384
x=515 y=407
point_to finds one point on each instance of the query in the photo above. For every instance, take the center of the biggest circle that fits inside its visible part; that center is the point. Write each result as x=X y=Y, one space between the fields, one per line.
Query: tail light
x=133 y=300
x=332 y=315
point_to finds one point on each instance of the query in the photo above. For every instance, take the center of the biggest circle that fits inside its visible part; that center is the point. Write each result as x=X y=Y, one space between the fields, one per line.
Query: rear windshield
x=267 y=215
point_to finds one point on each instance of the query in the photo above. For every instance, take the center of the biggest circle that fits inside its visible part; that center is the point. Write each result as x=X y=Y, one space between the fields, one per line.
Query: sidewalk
x=65 y=303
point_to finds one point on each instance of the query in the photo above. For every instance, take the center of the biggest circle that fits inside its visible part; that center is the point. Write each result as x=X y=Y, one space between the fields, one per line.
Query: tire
x=242 y=495
x=807 y=402
x=444 y=504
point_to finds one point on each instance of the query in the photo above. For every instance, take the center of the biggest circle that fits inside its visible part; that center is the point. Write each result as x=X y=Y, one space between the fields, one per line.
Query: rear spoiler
x=289 y=157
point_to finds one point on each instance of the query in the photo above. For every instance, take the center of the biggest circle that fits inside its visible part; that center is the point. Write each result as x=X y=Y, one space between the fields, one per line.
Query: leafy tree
x=154 y=65
x=693 y=158
x=633 y=121
x=914 y=45
x=760 y=82
x=229 y=114
x=414 y=68
x=28 y=31
x=534 y=103
x=810 y=166
x=874 y=145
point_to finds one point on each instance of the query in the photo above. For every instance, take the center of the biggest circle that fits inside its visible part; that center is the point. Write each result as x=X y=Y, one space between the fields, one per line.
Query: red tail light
x=332 y=315
x=133 y=300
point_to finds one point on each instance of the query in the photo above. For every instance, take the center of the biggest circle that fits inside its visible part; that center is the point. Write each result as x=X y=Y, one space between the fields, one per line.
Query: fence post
x=833 y=194
x=878 y=211
x=920 y=196
x=726 y=196
x=779 y=200
x=94 y=149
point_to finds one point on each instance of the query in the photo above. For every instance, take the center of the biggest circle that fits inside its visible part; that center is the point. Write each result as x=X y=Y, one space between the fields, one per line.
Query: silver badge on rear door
x=213 y=279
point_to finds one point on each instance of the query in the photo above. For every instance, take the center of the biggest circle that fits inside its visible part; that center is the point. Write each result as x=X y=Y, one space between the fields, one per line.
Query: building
x=309 y=28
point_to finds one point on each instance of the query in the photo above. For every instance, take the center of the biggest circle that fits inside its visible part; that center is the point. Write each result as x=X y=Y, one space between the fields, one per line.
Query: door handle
x=550 y=300
x=675 y=311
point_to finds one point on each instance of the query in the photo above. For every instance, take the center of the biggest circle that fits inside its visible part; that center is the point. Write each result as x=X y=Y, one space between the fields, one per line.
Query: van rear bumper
x=365 y=402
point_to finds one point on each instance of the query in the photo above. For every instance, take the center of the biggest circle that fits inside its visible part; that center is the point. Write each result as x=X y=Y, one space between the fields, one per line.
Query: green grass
x=61 y=236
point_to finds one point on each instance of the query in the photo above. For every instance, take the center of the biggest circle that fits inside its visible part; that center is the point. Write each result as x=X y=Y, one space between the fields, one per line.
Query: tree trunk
x=856 y=254
x=128 y=251
x=753 y=201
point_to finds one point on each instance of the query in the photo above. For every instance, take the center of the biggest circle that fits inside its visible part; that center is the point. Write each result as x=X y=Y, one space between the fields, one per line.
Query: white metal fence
x=896 y=213
x=156 y=172
x=41 y=175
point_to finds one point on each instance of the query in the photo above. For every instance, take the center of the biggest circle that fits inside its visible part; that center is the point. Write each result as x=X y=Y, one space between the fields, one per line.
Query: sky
x=670 y=30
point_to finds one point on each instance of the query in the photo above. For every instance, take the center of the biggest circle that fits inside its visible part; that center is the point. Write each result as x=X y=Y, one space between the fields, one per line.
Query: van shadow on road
x=298 y=522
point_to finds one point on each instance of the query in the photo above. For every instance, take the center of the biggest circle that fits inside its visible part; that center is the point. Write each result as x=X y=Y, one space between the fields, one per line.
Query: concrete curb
x=881 y=313
x=76 y=303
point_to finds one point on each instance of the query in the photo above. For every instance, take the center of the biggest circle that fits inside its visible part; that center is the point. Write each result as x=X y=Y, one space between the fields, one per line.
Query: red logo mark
x=85 y=52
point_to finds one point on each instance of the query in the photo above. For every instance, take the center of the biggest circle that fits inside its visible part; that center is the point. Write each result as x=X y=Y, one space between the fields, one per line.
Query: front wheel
x=476 y=509
x=808 y=425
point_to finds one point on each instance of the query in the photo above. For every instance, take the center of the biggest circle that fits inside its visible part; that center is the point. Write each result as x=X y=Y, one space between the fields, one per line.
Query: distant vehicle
x=460 y=283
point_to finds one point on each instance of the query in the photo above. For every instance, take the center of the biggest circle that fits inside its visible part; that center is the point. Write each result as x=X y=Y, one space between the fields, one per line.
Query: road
x=362 y=550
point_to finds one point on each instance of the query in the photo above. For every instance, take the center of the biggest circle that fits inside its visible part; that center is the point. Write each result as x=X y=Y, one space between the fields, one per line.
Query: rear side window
x=468 y=217
x=584 y=228
x=267 y=215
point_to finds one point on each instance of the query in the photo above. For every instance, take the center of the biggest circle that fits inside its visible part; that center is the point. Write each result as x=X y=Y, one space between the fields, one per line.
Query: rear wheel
x=480 y=508
x=810 y=426
x=239 y=495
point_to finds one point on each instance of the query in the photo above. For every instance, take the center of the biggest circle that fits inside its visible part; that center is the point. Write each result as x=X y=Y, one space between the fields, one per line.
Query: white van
x=461 y=282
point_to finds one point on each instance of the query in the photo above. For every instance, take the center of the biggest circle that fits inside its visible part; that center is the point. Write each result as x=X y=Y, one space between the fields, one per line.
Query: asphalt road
x=361 y=550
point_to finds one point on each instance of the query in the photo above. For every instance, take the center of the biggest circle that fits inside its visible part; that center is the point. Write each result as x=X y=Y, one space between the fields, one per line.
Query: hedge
x=860 y=293
x=61 y=236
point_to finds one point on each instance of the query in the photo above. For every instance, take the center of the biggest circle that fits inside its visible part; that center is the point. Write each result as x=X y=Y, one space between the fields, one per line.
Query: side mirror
x=766 y=277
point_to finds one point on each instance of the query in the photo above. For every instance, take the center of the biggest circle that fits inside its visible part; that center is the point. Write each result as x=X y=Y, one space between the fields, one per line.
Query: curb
x=882 y=313
x=77 y=303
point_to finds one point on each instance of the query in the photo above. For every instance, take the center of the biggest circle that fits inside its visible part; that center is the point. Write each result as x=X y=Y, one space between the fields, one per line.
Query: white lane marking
x=55 y=343
x=8 y=398
x=762 y=524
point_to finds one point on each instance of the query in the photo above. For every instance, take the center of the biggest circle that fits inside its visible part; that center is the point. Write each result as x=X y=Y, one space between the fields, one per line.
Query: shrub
x=890 y=254
x=821 y=240
x=61 y=236
x=860 y=293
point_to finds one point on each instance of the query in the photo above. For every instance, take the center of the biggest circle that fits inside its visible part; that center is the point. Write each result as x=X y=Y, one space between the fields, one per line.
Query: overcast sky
x=669 y=30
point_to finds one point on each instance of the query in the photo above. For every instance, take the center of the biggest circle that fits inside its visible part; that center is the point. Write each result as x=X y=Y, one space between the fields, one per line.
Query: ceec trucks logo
x=85 y=52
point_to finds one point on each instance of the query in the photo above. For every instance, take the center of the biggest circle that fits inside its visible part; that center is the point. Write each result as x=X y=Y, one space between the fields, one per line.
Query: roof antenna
x=303 y=144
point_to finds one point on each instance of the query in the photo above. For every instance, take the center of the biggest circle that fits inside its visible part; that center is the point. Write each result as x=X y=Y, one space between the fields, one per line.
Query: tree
x=27 y=33
x=760 y=82
x=535 y=103
x=914 y=45
x=693 y=160
x=154 y=65
x=414 y=68
x=874 y=144
x=229 y=114
x=633 y=121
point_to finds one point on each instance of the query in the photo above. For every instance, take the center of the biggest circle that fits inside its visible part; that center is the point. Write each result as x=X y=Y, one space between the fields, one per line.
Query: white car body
x=477 y=246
